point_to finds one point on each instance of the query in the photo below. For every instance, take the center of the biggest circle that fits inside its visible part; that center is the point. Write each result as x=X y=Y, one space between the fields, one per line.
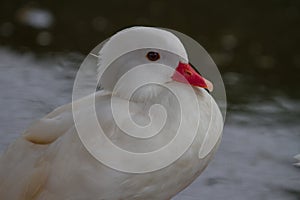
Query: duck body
x=32 y=168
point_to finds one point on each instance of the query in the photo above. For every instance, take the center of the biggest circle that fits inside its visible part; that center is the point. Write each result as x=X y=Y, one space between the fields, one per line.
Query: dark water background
x=254 y=44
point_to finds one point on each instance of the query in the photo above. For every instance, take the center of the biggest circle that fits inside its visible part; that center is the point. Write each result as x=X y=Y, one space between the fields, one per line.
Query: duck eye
x=153 y=56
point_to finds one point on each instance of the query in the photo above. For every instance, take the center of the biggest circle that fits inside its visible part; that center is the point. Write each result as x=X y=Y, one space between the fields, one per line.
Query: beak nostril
x=187 y=72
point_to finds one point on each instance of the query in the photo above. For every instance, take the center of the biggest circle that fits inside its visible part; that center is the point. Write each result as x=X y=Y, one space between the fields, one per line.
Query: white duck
x=49 y=161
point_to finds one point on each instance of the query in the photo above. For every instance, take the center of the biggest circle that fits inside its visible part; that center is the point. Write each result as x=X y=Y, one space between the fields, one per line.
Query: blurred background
x=254 y=44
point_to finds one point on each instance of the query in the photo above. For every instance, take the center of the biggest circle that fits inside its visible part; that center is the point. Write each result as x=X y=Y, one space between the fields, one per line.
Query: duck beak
x=185 y=73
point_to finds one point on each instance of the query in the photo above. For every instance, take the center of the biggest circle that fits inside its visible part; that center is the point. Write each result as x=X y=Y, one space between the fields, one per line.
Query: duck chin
x=146 y=93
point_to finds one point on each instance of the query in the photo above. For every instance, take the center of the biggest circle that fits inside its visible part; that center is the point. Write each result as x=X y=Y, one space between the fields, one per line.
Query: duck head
x=149 y=49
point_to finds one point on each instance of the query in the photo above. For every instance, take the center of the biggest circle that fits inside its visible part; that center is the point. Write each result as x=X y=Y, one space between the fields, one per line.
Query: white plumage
x=50 y=162
x=297 y=157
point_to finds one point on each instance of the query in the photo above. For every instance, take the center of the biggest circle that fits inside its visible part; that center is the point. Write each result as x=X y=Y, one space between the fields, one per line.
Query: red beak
x=186 y=74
